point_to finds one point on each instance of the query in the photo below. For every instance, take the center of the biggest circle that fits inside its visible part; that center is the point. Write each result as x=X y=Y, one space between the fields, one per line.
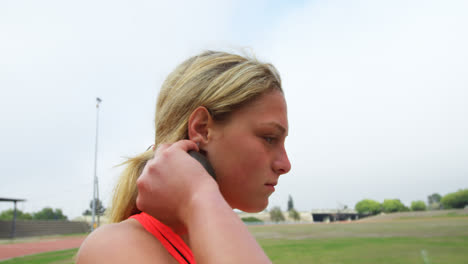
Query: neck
x=180 y=230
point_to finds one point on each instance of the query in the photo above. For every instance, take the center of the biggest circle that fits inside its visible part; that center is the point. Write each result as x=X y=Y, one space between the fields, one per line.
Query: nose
x=281 y=165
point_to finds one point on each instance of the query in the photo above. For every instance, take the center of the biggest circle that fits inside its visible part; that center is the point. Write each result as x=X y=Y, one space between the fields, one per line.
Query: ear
x=199 y=124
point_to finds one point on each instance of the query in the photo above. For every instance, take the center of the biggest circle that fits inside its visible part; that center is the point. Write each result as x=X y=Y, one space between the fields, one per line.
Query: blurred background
x=377 y=92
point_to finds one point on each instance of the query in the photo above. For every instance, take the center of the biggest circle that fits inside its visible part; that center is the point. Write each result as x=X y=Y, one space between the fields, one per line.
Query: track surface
x=28 y=248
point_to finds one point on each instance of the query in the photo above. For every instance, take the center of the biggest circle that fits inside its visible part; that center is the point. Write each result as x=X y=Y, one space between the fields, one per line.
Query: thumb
x=186 y=145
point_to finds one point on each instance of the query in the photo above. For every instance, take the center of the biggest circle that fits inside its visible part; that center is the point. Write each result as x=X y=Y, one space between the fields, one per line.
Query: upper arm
x=121 y=244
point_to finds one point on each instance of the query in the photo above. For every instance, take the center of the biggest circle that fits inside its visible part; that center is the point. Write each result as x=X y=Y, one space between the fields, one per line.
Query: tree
x=290 y=203
x=393 y=205
x=100 y=209
x=434 y=198
x=7 y=215
x=294 y=214
x=48 y=213
x=368 y=206
x=433 y=201
x=418 y=206
x=457 y=199
x=276 y=215
x=87 y=212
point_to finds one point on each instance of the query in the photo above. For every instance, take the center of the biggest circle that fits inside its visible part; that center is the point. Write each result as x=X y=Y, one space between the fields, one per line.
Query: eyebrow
x=276 y=125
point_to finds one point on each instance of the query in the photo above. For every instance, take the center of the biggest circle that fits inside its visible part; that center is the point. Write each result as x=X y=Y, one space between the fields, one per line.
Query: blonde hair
x=219 y=81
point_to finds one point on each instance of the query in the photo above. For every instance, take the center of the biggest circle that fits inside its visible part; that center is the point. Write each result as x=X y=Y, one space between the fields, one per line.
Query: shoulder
x=125 y=242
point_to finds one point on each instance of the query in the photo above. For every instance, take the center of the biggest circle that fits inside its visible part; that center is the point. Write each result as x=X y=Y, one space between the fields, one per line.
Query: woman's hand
x=171 y=181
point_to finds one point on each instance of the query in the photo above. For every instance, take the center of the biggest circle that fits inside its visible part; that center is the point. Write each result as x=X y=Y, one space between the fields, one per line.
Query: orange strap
x=170 y=240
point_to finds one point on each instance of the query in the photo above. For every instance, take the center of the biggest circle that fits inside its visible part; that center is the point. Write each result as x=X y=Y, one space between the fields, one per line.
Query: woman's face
x=248 y=154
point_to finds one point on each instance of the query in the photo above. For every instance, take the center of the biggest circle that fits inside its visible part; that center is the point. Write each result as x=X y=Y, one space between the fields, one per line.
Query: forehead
x=269 y=109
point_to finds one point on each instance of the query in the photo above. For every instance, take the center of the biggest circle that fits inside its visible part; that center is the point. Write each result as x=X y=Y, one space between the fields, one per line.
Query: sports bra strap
x=170 y=240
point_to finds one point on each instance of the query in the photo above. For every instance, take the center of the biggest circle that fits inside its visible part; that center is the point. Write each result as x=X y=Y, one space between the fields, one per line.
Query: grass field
x=419 y=240
x=415 y=238
x=55 y=257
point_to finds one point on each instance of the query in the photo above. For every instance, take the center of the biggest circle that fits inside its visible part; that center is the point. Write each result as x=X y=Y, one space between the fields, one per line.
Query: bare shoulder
x=125 y=242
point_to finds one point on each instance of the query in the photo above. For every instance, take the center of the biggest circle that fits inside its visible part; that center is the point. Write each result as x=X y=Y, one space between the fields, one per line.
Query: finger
x=161 y=148
x=186 y=145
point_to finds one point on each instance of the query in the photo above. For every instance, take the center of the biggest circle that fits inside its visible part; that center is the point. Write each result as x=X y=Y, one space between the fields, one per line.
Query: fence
x=28 y=228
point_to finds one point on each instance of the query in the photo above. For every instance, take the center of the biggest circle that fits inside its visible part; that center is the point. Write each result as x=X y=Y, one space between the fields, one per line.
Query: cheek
x=243 y=169
x=245 y=160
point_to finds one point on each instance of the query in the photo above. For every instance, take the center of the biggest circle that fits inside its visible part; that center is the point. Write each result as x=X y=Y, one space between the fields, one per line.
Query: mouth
x=271 y=186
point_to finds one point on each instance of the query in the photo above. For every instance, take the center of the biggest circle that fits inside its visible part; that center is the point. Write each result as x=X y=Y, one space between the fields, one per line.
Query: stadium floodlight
x=95 y=180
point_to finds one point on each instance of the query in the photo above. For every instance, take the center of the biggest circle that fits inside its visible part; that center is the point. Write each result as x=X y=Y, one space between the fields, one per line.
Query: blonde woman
x=166 y=207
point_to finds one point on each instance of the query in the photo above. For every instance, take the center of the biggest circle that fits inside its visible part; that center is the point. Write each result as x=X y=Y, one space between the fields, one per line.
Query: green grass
x=451 y=214
x=436 y=240
x=367 y=250
x=431 y=227
x=55 y=257
x=417 y=240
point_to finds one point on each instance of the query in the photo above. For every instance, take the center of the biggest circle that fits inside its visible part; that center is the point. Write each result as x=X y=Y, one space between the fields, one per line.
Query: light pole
x=95 y=185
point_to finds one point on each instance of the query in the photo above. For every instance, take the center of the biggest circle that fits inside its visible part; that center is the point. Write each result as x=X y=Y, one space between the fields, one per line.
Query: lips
x=271 y=186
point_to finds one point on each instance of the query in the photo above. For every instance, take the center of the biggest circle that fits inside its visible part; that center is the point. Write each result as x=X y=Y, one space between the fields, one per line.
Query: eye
x=269 y=139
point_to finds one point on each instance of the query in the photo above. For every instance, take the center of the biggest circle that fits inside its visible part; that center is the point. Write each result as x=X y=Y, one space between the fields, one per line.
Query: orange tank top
x=170 y=240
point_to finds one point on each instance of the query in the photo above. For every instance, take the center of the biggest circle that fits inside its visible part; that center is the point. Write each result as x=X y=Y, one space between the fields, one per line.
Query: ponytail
x=125 y=192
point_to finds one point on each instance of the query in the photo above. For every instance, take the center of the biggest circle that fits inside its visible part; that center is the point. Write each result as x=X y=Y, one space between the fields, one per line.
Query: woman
x=166 y=207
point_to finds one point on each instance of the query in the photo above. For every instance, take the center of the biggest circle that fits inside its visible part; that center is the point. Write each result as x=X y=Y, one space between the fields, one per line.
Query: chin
x=253 y=208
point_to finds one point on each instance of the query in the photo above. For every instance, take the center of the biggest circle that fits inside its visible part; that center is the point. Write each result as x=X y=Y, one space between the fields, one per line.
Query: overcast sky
x=377 y=92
